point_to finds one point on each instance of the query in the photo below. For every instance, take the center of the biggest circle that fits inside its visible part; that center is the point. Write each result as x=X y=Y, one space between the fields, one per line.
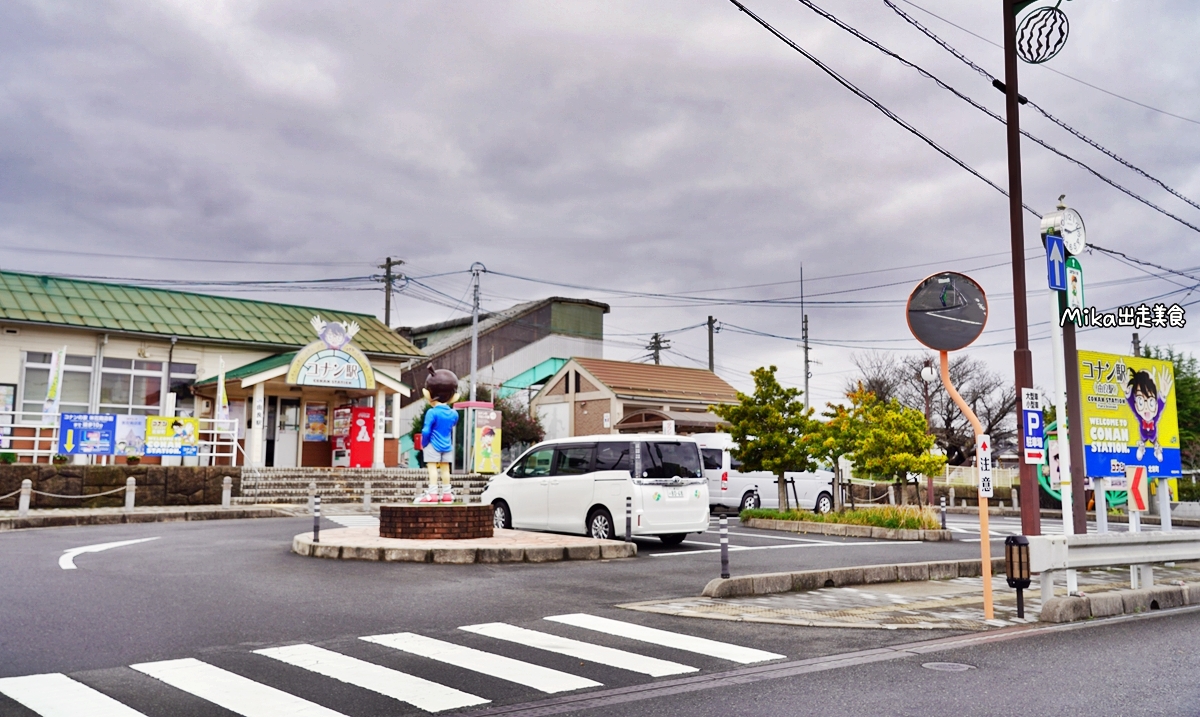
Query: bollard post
x=951 y=496
x=130 y=492
x=891 y=494
x=26 y=493
x=367 y=496
x=226 y=491
x=1016 y=501
x=316 y=519
x=628 y=518
x=724 y=546
x=943 y=512
x=312 y=492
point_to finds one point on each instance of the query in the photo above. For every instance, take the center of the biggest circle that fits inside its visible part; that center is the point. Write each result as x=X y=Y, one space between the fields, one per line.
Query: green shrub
x=8 y=458
x=1188 y=490
x=906 y=517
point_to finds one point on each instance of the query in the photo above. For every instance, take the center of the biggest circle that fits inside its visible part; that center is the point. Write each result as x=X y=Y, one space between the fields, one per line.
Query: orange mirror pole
x=984 y=538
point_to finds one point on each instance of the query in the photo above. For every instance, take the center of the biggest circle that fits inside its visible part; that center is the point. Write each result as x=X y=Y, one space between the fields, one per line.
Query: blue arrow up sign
x=1056 y=266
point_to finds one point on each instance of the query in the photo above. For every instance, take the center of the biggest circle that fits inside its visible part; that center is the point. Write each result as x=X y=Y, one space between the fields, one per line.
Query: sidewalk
x=954 y=604
x=58 y=517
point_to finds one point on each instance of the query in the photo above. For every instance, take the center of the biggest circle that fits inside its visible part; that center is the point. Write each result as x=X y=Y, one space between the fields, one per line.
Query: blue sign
x=1034 y=431
x=87 y=434
x=1056 y=263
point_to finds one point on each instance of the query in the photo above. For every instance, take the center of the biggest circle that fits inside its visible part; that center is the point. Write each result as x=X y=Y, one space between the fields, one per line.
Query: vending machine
x=353 y=436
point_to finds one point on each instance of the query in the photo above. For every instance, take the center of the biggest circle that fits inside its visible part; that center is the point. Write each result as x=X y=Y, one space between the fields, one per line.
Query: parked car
x=731 y=489
x=579 y=485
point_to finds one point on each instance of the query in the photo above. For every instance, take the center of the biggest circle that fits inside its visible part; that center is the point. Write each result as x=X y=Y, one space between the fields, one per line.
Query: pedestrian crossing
x=59 y=695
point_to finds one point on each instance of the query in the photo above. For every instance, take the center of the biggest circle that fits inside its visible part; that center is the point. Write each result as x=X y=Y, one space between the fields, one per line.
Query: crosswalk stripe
x=699 y=645
x=56 y=695
x=487 y=663
x=233 y=692
x=580 y=650
x=418 y=692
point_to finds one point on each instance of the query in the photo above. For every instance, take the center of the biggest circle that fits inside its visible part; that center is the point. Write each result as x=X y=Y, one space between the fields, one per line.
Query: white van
x=579 y=485
x=729 y=488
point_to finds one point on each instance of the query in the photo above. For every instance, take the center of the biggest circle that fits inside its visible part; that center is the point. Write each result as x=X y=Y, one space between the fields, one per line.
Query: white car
x=730 y=488
x=579 y=485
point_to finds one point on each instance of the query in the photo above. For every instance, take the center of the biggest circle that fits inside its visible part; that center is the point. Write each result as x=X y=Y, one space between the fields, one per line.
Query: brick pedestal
x=435 y=522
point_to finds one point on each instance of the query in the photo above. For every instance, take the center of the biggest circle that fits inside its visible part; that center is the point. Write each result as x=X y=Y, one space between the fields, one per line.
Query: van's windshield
x=663 y=459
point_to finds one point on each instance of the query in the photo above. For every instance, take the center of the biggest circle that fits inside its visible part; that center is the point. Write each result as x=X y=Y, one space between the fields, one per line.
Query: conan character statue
x=437 y=435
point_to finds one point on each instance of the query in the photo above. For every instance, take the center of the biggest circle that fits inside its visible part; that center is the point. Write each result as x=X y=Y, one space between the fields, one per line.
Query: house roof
x=510 y=312
x=139 y=310
x=659 y=382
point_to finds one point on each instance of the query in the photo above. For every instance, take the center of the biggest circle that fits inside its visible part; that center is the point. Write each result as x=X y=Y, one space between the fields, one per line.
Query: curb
x=173 y=516
x=771 y=583
x=1119 y=602
x=609 y=550
x=848 y=531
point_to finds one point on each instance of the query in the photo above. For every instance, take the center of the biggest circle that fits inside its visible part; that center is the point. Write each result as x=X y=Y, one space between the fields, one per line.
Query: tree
x=770 y=426
x=1187 y=400
x=894 y=442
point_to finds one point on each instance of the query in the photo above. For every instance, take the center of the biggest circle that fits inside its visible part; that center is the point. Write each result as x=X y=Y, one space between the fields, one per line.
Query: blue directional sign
x=89 y=434
x=1056 y=263
x=1033 y=427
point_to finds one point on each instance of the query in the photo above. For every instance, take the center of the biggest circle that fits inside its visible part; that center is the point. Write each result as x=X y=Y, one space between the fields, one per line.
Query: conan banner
x=1129 y=416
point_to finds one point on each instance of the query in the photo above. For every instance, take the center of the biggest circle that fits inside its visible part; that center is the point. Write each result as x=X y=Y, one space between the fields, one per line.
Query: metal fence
x=38 y=442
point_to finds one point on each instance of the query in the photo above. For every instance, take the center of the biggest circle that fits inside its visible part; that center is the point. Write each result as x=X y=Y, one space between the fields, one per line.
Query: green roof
x=254 y=368
x=121 y=308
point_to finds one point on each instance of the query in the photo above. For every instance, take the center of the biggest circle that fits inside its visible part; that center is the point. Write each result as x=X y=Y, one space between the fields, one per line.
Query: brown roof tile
x=656 y=381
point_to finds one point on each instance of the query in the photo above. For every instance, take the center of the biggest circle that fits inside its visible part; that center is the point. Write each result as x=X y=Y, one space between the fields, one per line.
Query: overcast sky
x=652 y=146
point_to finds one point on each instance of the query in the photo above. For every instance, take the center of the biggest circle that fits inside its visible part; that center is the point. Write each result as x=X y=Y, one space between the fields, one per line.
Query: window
x=614 y=457
x=712 y=458
x=574 y=460
x=76 y=385
x=535 y=464
x=661 y=459
x=131 y=386
x=183 y=375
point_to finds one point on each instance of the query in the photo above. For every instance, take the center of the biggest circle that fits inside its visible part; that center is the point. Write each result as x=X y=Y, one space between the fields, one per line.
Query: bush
x=8 y=458
x=1188 y=491
x=905 y=517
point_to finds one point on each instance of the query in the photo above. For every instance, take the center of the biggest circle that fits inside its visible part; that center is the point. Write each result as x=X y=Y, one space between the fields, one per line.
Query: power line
x=68 y=252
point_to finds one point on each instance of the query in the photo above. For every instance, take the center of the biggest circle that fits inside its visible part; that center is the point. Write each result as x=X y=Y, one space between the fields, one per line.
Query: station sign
x=1129 y=415
x=87 y=434
x=331 y=361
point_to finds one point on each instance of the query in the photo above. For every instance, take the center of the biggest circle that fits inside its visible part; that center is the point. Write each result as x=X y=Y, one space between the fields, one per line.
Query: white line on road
x=580 y=650
x=779 y=537
x=67 y=561
x=420 y=693
x=56 y=695
x=235 y=693
x=739 y=548
x=487 y=663
x=689 y=643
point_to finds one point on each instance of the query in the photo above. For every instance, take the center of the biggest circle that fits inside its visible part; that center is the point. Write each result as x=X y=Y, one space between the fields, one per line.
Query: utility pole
x=476 y=268
x=1031 y=518
x=804 y=335
x=1137 y=345
x=658 y=344
x=711 y=364
x=387 y=288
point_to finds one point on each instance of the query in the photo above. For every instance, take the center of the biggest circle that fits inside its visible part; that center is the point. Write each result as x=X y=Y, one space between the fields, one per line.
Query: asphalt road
x=217 y=591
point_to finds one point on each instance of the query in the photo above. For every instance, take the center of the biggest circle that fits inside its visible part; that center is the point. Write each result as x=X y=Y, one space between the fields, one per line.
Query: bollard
x=26 y=493
x=130 y=492
x=1016 y=503
x=891 y=495
x=943 y=512
x=951 y=496
x=628 y=518
x=724 y=546
x=367 y=496
x=226 y=491
x=316 y=519
x=312 y=492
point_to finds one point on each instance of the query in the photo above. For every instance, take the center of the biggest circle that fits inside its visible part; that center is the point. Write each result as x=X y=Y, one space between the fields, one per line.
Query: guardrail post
x=226 y=491
x=130 y=492
x=367 y=496
x=628 y=518
x=26 y=494
x=724 y=546
x=1164 y=504
x=312 y=493
x=943 y=512
x=316 y=518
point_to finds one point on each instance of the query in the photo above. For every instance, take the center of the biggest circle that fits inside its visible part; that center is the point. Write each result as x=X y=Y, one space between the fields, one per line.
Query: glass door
x=287 y=433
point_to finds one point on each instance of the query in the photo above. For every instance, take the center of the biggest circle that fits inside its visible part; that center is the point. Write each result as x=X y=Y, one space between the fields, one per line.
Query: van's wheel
x=600 y=525
x=501 y=517
x=824 y=503
x=672 y=538
x=750 y=501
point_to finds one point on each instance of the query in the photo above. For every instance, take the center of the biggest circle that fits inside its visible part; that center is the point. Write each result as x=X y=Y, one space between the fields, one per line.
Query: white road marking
x=56 y=695
x=580 y=650
x=468 y=658
x=779 y=537
x=418 y=692
x=698 y=645
x=354 y=521
x=235 y=693
x=739 y=548
x=67 y=561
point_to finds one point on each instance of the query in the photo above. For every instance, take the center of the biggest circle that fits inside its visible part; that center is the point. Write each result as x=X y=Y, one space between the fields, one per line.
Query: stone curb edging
x=302 y=545
x=1119 y=602
x=771 y=583
x=158 y=516
x=849 y=531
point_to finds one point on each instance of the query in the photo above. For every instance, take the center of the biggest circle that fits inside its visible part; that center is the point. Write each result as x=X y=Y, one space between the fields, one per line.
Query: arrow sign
x=1056 y=267
x=983 y=462
x=70 y=443
x=1139 y=489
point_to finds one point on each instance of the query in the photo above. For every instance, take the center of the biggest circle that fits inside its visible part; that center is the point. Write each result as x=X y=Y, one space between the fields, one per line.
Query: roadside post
x=366 y=497
x=628 y=518
x=226 y=491
x=724 y=522
x=943 y=512
x=316 y=519
x=130 y=493
x=1138 y=503
x=947 y=312
x=23 y=501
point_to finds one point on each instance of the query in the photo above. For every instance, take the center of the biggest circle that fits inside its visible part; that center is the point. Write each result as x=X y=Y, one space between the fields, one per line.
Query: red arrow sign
x=1138 y=493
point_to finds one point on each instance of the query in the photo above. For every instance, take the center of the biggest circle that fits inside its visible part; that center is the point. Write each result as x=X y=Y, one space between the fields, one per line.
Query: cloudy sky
x=649 y=147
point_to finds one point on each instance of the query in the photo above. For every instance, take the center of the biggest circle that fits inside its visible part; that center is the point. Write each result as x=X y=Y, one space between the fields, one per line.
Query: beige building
x=589 y=396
